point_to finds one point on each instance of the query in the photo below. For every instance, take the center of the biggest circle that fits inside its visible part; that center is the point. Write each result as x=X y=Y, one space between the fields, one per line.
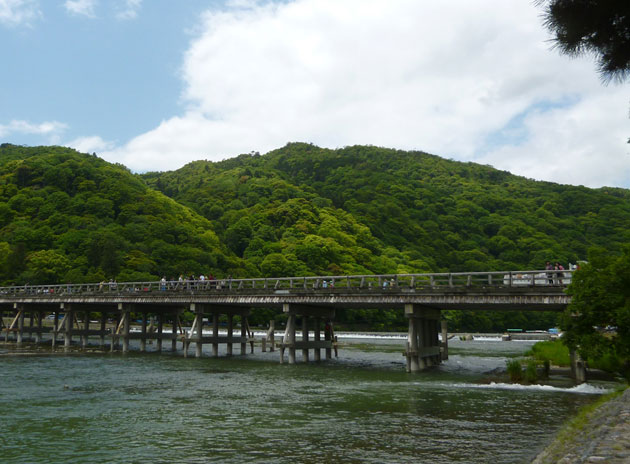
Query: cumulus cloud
x=85 y=8
x=17 y=12
x=49 y=128
x=90 y=144
x=445 y=77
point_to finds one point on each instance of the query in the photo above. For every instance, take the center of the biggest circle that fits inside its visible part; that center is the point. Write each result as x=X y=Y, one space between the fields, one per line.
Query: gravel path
x=605 y=438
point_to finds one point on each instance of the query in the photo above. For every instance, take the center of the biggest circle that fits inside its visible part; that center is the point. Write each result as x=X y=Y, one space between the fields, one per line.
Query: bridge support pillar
x=196 y=332
x=444 y=344
x=305 y=338
x=55 y=329
x=40 y=320
x=269 y=338
x=160 y=328
x=68 y=323
x=86 y=328
x=20 y=325
x=103 y=329
x=578 y=368
x=31 y=322
x=230 y=333
x=143 y=339
x=215 y=334
x=124 y=326
x=317 y=354
x=289 y=339
x=423 y=346
x=176 y=327
x=305 y=344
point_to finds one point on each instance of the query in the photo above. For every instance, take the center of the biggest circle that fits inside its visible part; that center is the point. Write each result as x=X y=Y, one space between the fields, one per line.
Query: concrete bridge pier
x=123 y=326
x=305 y=344
x=197 y=337
x=423 y=347
x=20 y=325
x=215 y=334
x=230 y=334
x=143 y=338
x=317 y=353
x=40 y=320
x=86 y=328
x=103 y=329
x=578 y=367
x=305 y=338
x=444 y=344
x=244 y=332
x=160 y=328
x=176 y=328
x=67 y=323
x=269 y=338
x=197 y=329
x=55 y=330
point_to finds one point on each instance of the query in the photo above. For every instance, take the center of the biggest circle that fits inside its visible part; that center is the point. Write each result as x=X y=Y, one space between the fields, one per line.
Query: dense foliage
x=70 y=217
x=394 y=211
x=597 y=322
x=299 y=210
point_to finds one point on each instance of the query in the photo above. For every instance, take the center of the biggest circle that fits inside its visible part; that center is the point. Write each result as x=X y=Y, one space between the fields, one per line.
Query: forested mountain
x=71 y=217
x=299 y=210
x=414 y=211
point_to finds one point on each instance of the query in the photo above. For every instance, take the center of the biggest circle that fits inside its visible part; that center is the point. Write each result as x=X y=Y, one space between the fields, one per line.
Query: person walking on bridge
x=549 y=267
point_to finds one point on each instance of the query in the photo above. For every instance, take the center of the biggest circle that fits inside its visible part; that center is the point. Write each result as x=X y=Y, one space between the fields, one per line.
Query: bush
x=514 y=370
x=531 y=372
x=555 y=352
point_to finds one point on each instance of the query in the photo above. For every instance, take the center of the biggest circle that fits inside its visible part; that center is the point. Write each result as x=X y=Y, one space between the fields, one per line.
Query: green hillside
x=393 y=211
x=71 y=217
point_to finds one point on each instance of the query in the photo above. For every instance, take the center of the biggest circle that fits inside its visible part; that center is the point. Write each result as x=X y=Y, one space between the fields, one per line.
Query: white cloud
x=128 y=9
x=85 y=8
x=90 y=144
x=17 y=12
x=582 y=144
x=444 y=77
x=48 y=128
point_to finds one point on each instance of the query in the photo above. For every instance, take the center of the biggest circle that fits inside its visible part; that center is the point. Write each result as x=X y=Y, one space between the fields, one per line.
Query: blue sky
x=94 y=71
x=154 y=84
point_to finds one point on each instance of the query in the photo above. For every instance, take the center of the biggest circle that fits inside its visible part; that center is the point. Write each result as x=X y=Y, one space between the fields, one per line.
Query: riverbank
x=599 y=435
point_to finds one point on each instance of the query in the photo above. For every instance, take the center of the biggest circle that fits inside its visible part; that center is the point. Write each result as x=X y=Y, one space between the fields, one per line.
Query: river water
x=360 y=407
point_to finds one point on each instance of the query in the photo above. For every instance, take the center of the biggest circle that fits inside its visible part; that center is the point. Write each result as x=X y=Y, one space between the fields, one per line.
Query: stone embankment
x=604 y=438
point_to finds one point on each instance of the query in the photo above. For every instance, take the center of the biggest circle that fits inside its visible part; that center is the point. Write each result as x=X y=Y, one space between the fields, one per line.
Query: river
x=361 y=407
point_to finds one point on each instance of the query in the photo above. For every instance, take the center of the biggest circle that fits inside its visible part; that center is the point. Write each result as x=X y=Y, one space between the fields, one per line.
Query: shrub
x=531 y=373
x=554 y=351
x=514 y=370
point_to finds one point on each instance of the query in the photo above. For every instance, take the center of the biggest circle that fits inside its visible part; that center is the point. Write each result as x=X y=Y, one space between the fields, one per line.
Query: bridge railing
x=383 y=282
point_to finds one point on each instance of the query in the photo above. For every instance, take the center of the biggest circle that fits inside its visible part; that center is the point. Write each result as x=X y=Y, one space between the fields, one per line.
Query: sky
x=155 y=84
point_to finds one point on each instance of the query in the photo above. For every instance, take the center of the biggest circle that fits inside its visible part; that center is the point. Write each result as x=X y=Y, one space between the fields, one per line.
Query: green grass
x=531 y=371
x=553 y=351
x=557 y=354
x=514 y=370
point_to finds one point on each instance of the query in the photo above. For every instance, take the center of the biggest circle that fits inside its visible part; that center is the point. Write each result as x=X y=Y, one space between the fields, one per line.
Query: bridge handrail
x=437 y=280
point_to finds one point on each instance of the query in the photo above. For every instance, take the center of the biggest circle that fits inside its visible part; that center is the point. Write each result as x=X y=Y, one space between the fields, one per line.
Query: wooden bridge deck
x=523 y=290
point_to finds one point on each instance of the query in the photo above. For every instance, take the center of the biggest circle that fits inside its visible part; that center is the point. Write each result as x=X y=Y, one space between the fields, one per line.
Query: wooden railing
x=384 y=282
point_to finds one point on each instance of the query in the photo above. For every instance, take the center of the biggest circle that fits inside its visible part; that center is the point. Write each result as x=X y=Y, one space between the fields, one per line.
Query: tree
x=597 y=322
x=601 y=27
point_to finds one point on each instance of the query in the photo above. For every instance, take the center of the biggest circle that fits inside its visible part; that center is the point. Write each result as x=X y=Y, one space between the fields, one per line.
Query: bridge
x=313 y=300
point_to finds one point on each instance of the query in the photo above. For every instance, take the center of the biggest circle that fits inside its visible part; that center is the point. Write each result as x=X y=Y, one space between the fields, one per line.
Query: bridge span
x=313 y=300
